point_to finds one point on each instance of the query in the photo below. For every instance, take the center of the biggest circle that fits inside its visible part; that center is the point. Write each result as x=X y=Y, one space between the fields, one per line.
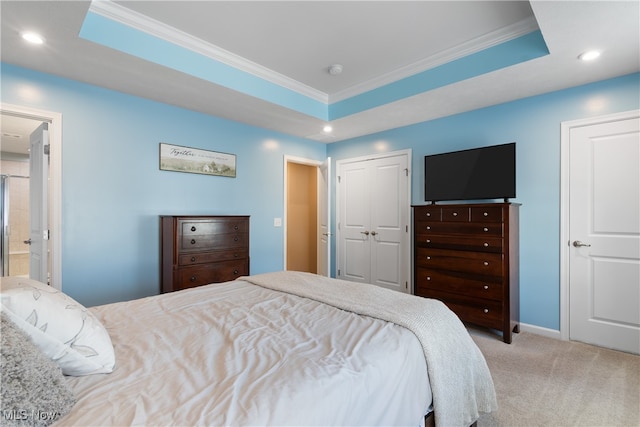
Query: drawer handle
x=486 y=214
x=428 y=227
x=428 y=277
x=428 y=257
x=485 y=244
x=193 y=228
x=486 y=287
x=485 y=229
x=486 y=310
x=485 y=263
x=193 y=259
x=235 y=227
x=428 y=240
x=235 y=272
x=455 y=214
x=235 y=239
x=236 y=255
x=192 y=278
x=193 y=241
x=428 y=214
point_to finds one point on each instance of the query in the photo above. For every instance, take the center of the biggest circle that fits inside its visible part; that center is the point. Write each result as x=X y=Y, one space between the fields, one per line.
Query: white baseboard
x=539 y=330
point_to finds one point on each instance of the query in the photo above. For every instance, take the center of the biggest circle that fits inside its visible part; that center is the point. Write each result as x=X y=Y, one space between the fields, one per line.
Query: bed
x=284 y=348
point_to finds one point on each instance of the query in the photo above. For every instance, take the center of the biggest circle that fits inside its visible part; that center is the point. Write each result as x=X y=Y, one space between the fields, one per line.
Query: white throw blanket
x=460 y=379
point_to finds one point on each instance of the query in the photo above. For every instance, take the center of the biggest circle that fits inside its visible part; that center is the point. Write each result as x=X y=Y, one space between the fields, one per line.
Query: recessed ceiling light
x=589 y=55
x=33 y=38
x=327 y=129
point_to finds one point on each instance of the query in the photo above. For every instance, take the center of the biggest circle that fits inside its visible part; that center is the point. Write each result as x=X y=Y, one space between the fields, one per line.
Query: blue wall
x=534 y=124
x=113 y=192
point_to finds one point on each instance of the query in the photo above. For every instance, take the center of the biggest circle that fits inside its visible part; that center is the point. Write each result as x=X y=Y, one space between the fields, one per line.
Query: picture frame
x=178 y=158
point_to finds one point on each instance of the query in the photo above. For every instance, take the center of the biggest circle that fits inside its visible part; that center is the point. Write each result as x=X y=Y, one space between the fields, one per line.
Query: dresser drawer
x=188 y=277
x=464 y=228
x=199 y=242
x=455 y=214
x=428 y=213
x=458 y=283
x=458 y=242
x=206 y=257
x=478 y=311
x=482 y=263
x=198 y=227
x=486 y=214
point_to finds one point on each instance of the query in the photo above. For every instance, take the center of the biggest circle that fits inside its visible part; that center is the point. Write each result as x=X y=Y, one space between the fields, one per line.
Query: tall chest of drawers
x=198 y=250
x=466 y=255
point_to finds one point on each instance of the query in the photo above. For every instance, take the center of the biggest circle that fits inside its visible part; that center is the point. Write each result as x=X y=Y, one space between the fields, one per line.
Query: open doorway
x=15 y=204
x=302 y=217
x=50 y=183
x=307 y=216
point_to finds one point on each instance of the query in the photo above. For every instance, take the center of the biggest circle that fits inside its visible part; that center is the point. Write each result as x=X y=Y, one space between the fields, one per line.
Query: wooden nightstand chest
x=198 y=250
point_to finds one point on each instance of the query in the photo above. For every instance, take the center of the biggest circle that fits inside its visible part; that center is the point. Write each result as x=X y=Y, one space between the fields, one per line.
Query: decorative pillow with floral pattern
x=67 y=332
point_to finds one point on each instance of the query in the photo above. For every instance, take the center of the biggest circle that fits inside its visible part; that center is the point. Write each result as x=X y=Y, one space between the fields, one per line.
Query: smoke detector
x=335 y=69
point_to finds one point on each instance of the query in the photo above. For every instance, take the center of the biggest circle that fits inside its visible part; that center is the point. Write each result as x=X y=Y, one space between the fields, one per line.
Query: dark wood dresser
x=198 y=250
x=466 y=255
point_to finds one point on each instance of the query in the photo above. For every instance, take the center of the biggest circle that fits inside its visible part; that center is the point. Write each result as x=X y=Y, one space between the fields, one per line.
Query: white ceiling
x=294 y=43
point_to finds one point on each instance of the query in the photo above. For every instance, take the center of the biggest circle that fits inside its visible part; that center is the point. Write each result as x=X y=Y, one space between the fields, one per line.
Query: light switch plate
x=277 y=222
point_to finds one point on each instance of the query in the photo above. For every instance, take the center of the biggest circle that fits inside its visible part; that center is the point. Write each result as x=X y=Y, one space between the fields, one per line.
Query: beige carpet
x=546 y=382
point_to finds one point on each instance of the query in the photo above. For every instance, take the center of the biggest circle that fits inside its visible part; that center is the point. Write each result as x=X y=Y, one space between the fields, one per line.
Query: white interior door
x=324 y=218
x=38 y=204
x=604 y=234
x=389 y=223
x=354 y=232
x=373 y=221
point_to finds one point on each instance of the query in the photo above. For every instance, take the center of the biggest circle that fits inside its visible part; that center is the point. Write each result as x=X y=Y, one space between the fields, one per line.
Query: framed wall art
x=177 y=158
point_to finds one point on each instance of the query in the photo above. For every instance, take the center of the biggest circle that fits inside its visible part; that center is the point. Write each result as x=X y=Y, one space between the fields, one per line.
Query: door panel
x=356 y=260
x=324 y=218
x=38 y=205
x=389 y=221
x=604 y=260
x=386 y=265
x=354 y=224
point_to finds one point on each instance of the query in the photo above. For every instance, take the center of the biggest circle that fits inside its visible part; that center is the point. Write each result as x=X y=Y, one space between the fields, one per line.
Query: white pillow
x=63 y=329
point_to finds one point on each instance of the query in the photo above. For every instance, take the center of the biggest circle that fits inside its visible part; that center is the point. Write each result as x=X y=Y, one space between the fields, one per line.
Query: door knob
x=373 y=233
x=578 y=243
x=366 y=233
x=27 y=242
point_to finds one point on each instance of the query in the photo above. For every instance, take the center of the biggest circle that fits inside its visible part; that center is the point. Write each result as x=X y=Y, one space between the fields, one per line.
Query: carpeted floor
x=546 y=382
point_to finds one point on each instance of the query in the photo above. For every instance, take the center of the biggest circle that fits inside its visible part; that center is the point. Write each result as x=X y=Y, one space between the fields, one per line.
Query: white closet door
x=373 y=220
x=388 y=212
x=354 y=232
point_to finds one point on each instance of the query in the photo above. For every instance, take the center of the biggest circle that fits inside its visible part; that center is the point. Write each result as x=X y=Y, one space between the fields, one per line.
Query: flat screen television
x=475 y=174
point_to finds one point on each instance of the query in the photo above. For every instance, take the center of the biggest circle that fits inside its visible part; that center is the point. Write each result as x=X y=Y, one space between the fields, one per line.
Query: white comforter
x=461 y=383
x=239 y=354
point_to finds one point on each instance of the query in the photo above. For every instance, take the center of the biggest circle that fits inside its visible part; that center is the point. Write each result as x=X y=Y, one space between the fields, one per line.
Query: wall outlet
x=277 y=222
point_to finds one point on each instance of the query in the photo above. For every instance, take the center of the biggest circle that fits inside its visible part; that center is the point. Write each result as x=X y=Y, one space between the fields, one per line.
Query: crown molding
x=478 y=44
x=130 y=18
